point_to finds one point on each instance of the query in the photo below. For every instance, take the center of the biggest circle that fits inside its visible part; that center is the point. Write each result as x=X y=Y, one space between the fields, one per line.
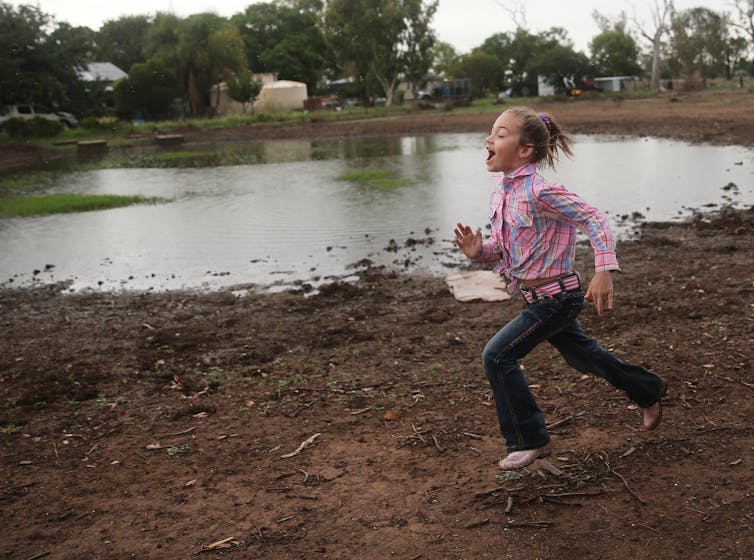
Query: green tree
x=285 y=38
x=558 y=62
x=244 y=88
x=378 y=37
x=121 y=41
x=420 y=41
x=521 y=53
x=202 y=48
x=149 y=91
x=745 y=18
x=40 y=58
x=615 y=53
x=444 y=58
x=485 y=71
x=700 y=43
x=74 y=48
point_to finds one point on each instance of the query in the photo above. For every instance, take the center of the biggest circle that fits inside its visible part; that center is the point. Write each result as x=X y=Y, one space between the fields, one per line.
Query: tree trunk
x=195 y=98
x=656 y=62
x=389 y=87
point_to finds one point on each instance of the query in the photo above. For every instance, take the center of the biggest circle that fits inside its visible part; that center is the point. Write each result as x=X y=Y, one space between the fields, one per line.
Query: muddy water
x=279 y=212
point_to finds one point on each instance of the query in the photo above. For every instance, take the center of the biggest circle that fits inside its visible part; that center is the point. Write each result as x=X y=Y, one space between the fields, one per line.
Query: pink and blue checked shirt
x=534 y=225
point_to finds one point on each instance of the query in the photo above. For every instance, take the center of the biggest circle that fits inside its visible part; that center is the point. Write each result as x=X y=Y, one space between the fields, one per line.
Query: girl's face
x=504 y=150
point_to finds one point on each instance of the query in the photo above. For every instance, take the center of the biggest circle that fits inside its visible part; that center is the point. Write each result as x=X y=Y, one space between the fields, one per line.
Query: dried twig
x=569 y=494
x=543 y=524
x=177 y=433
x=485 y=493
x=630 y=491
x=550 y=468
x=612 y=471
x=559 y=423
x=650 y=528
x=744 y=383
x=475 y=524
x=230 y=542
x=509 y=505
x=304 y=444
x=553 y=500
x=474 y=436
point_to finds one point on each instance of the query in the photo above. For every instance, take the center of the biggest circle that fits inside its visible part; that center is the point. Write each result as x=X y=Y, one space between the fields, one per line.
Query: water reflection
x=266 y=212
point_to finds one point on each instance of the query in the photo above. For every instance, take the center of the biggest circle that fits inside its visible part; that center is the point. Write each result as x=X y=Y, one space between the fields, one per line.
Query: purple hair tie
x=546 y=119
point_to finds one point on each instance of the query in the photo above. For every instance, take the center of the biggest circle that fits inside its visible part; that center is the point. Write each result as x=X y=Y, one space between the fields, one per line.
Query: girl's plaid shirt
x=534 y=225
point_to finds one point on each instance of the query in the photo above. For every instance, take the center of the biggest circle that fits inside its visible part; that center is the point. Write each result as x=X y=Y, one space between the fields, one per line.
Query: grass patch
x=376 y=178
x=173 y=156
x=17 y=183
x=64 y=203
x=435 y=149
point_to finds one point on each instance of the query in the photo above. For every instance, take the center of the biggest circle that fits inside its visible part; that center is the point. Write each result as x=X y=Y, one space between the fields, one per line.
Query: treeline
x=381 y=45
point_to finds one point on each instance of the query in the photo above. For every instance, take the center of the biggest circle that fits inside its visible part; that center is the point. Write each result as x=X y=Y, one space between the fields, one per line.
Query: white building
x=615 y=83
x=276 y=95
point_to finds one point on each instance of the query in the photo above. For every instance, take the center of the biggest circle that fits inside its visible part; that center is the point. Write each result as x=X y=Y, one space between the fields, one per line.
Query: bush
x=105 y=124
x=33 y=128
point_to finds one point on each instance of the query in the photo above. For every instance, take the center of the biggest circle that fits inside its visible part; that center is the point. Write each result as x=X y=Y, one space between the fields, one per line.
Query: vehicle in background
x=28 y=111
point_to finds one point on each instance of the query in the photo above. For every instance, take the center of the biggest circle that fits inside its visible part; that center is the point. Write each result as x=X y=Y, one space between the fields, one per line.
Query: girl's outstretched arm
x=468 y=241
x=600 y=291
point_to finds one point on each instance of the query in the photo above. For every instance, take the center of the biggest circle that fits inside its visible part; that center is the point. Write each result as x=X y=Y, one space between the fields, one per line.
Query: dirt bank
x=718 y=118
x=358 y=423
x=723 y=118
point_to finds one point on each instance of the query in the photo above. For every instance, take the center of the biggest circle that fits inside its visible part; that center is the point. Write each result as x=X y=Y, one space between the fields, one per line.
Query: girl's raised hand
x=468 y=241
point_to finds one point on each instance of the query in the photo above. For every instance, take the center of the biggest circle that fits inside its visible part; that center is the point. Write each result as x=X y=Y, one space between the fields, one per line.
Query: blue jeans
x=521 y=421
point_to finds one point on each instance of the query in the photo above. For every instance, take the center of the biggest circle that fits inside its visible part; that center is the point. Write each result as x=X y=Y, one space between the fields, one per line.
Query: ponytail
x=547 y=137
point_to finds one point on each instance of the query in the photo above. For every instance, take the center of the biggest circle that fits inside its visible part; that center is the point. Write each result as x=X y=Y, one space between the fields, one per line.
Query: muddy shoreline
x=157 y=425
x=722 y=118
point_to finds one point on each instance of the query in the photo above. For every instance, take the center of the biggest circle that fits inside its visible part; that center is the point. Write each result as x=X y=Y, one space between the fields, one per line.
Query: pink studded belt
x=567 y=283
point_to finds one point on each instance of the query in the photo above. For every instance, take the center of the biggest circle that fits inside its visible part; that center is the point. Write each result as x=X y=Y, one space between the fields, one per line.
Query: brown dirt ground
x=154 y=425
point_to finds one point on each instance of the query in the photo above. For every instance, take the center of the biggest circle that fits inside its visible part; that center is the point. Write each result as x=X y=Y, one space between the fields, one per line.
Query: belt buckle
x=532 y=294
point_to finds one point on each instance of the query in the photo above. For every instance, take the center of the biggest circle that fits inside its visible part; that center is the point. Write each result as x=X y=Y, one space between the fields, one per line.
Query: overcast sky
x=462 y=23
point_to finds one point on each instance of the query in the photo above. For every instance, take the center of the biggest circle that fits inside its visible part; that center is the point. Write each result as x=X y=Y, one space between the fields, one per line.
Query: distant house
x=105 y=73
x=615 y=83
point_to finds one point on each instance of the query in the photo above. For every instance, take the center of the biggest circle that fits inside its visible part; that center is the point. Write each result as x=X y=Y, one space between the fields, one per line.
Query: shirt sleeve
x=490 y=252
x=571 y=208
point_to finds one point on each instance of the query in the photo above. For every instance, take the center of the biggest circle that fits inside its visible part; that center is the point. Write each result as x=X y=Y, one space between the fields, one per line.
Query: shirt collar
x=524 y=171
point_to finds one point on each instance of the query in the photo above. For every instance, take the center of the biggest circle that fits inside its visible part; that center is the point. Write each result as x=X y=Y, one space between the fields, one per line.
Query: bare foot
x=521 y=459
x=653 y=416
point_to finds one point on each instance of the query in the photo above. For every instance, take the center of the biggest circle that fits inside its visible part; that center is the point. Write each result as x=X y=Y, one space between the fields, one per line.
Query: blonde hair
x=541 y=131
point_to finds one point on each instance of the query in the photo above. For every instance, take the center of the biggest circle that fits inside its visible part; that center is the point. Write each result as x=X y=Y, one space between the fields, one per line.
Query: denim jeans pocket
x=563 y=307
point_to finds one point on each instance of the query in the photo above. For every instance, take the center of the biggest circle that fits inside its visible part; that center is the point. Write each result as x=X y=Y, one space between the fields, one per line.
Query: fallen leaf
x=390 y=415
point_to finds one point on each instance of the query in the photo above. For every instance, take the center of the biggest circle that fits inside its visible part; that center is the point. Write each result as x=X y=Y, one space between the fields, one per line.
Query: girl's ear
x=526 y=152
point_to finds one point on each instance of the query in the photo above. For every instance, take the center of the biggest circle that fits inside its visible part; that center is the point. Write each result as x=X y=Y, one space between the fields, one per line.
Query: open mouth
x=490 y=155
